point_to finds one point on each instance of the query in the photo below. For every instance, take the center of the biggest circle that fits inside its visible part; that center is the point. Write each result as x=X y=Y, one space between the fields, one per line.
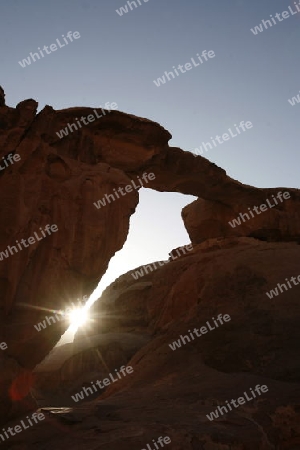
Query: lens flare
x=78 y=317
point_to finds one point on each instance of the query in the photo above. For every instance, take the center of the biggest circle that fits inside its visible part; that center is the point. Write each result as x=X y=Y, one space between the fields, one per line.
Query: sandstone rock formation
x=205 y=219
x=172 y=391
x=56 y=181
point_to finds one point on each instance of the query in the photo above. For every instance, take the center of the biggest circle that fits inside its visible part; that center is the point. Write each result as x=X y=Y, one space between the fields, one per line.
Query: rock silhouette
x=57 y=182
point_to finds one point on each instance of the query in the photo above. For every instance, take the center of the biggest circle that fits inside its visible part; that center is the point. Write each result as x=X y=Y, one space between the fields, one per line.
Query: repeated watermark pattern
x=236 y=403
x=128 y=188
x=144 y=269
x=10 y=159
x=263 y=208
x=124 y=9
x=3 y=346
x=11 y=431
x=188 y=66
x=202 y=330
x=161 y=441
x=244 y=126
x=31 y=240
x=49 y=320
x=53 y=47
x=274 y=292
x=106 y=382
x=94 y=388
x=265 y=24
x=294 y=100
x=85 y=120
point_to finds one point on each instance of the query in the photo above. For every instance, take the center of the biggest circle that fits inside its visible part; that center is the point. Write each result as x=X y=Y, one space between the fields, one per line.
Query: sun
x=78 y=317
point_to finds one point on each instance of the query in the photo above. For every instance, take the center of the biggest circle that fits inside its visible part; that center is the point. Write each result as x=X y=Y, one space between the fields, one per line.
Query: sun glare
x=78 y=317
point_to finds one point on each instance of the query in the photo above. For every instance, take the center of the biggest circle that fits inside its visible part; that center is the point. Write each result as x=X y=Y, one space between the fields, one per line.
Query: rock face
x=173 y=390
x=57 y=180
x=205 y=219
x=228 y=276
x=2 y=96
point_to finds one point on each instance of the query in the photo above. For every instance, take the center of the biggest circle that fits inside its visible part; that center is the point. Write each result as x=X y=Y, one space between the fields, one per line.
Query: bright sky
x=117 y=58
